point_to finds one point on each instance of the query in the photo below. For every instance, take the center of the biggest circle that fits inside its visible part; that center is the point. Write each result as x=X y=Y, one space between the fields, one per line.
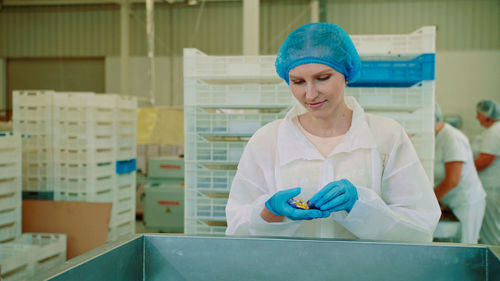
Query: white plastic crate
x=415 y=97
x=420 y=41
x=38 y=184
x=424 y=144
x=119 y=217
x=88 y=170
x=127 y=140
x=85 y=185
x=206 y=179
x=126 y=179
x=203 y=207
x=91 y=196
x=199 y=65
x=200 y=149
x=39 y=142
x=84 y=107
x=116 y=232
x=227 y=122
x=195 y=226
x=37 y=155
x=126 y=127
x=200 y=93
x=126 y=153
x=9 y=186
x=418 y=121
x=10 y=170
x=91 y=154
x=10 y=200
x=10 y=232
x=123 y=204
x=80 y=135
x=15 y=262
x=33 y=127
x=127 y=108
x=48 y=249
x=32 y=105
x=9 y=216
x=32 y=97
x=10 y=148
x=37 y=169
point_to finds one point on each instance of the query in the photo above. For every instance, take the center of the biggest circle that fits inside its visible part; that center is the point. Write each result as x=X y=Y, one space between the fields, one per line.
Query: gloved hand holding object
x=336 y=196
x=278 y=205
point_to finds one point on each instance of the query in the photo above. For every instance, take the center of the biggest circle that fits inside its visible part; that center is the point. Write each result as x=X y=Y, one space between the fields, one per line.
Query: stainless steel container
x=178 y=257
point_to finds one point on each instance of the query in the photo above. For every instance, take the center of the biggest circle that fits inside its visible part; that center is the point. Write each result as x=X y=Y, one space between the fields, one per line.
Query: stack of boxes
x=10 y=186
x=82 y=148
x=228 y=98
x=32 y=116
x=124 y=202
x=22 y=256
x=397 y=81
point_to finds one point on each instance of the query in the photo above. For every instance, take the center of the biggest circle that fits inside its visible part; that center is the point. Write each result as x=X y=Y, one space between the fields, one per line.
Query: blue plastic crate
x=396 y=73
x=127 y=166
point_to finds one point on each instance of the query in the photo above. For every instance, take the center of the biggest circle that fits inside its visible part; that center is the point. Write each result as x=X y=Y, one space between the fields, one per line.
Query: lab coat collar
x=293 y=145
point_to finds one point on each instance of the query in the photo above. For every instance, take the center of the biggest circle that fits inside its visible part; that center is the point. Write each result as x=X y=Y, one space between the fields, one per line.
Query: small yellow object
x=300 y=204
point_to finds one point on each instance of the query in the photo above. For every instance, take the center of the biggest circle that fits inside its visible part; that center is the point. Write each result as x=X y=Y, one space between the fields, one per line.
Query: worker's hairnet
x=438 y=114
x=323 y=43
x=489 y=108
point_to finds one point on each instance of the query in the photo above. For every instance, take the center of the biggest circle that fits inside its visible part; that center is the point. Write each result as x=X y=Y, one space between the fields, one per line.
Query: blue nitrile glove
x=336 y=196
x=278 y=205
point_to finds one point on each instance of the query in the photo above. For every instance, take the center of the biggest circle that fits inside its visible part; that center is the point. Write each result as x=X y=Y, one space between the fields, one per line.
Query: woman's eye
x=324 y=77
x=297 y=82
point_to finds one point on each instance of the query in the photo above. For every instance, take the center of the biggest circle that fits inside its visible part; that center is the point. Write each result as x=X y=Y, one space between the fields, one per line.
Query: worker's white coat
x=466 y=200
x=490 y=177
x=396 y=201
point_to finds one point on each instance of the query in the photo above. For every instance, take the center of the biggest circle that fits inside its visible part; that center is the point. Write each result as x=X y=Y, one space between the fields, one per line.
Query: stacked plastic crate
x=123 y=212
x=397 y=81
x=31 y=254
x=10 y=186
x=33 y=120
x=84 y=147
x=226 y=100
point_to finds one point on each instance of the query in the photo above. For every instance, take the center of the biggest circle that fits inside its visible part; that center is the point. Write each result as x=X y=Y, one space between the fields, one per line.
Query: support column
x=124 y=46
x=314 y=10
x=251 y=27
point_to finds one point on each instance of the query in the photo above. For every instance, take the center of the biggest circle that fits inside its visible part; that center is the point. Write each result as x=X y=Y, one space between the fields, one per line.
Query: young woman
x=360 y=172
x=488 y=166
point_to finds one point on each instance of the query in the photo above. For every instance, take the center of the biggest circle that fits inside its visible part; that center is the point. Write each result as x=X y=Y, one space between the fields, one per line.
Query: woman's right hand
x=278 y=205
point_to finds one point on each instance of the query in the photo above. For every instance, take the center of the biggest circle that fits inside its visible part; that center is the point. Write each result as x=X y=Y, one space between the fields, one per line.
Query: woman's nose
x=311 y=92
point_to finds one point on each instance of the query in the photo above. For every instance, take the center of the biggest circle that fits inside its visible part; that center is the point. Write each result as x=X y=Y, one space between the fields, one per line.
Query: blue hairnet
x=323 y=43
x=489 y=108
x=438 y=115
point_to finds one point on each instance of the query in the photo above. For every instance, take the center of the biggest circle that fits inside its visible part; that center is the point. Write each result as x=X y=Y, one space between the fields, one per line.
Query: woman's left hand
x=336 y=196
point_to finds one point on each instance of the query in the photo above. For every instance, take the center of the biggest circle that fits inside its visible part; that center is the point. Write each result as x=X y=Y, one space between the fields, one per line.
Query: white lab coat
x=396 y=201
x=467 y=199
x=490 y=177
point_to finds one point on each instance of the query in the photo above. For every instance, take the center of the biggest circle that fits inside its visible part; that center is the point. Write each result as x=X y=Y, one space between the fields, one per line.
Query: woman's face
x=318 y=87
x=483 y=120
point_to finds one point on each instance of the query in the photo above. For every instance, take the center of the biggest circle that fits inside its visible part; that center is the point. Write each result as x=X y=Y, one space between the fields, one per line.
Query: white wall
x=139 y=80
x=462 y=79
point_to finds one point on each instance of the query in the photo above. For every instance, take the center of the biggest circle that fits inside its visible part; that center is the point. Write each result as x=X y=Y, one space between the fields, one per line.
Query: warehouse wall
x=215 y=28
x=462 y=79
